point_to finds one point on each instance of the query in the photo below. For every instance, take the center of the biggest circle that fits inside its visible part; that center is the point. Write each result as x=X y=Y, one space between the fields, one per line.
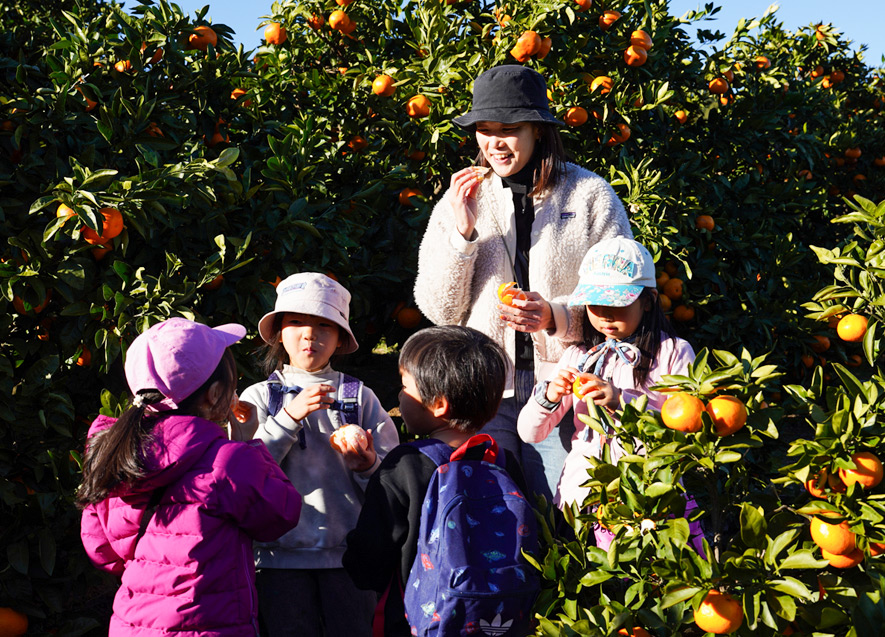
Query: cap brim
x=233 y=332
x=606 y=295
x=510 y=116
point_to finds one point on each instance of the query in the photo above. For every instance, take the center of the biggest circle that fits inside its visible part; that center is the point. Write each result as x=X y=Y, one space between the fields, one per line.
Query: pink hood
x=192 y=572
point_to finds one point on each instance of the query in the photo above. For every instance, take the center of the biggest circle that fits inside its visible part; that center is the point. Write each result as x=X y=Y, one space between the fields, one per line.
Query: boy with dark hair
x=452 y=382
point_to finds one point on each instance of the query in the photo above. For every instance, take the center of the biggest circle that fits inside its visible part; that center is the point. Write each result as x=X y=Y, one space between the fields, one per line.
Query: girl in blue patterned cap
x=628 y=346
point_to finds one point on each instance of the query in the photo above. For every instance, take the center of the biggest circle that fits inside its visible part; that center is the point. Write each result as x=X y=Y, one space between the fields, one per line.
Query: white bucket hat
x=613 y=273
x=315 y=294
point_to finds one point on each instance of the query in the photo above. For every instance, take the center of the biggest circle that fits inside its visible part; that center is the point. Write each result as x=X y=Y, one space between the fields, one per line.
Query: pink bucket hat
x=176 y=357
x=315 y=294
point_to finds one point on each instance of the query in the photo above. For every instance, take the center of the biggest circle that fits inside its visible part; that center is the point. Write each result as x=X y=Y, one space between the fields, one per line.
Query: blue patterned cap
x=613 y=273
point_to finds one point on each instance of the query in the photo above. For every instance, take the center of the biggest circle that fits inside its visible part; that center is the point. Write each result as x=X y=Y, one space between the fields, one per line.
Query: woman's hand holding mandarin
x=462 y=198
x=530 y=315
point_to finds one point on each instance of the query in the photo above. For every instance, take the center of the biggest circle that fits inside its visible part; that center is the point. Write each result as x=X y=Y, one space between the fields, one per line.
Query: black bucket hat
x=508 y=94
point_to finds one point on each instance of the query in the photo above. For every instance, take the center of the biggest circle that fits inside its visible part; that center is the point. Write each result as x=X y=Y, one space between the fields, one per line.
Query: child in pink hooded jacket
x=169 y=503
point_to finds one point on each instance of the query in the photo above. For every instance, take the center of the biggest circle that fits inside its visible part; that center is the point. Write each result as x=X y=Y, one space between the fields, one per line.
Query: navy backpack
x=469 y=576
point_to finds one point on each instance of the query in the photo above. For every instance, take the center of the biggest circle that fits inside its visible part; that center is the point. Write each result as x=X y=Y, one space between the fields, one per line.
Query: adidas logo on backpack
x=469 y=576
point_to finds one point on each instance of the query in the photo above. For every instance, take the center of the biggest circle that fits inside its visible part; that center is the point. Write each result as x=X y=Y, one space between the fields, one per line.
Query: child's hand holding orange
x=356 y=445
x=243 y=420
x=601 y=392
x=310 y=400
x=561 y=385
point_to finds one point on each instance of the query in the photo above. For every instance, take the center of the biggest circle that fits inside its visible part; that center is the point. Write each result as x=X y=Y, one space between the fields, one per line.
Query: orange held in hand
x=507 y=292
x=582 y=385
x=349 y=438
x=682 y=412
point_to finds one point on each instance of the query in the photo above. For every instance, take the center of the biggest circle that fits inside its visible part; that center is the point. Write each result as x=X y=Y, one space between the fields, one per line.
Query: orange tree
x=229 y=169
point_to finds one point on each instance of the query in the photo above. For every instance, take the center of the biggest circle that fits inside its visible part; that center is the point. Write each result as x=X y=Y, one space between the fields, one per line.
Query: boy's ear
x=440 y=407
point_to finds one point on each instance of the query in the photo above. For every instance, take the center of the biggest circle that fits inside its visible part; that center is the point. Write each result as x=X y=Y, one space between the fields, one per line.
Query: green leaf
x=753 y=525
x=803 y=558
x=679 y=595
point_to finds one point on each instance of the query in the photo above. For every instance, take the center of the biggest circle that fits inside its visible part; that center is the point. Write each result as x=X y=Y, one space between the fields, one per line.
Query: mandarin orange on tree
x=406 y=194
x=704 y=222
x=575 y=116
x=546 y=45
x=673 y=288
x=834 y=538
x=622 y=135
x=12 y=622
x=641 y=39
x=868 y=471
x=112 y=225
x=683 y=313
x=636 y=632
x=383 y=86
x=65 y=212
x=608 y=18
x=719 y=613
x=681 y=116
x=718 y=85
x=603 y=82
x=848 y=560
x=408 y=317
x=418 y=106
x=584 y=5
x=526 y=46
x=275 y=33
x=338 y=20
x=852 y=327
x=635 y=56
x=682 y=412
x=728 y=413
x=202 y=37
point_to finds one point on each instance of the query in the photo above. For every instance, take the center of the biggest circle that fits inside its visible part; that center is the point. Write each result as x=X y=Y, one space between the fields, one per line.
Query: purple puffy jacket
x=192 y=572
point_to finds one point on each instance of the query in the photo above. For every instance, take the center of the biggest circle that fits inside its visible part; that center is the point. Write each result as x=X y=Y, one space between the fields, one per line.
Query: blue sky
x=860 y=20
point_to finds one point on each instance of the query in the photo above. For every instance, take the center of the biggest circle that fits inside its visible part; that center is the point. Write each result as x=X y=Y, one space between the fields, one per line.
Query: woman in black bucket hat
x=523 y=213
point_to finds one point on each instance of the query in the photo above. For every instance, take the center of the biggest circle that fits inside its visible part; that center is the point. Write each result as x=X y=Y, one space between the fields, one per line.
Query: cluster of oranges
x=112 y=226
x=851 y=328
x=531 y=44
x=682 y=411
x=672 y=289
x=836 y=540
x=637 y=53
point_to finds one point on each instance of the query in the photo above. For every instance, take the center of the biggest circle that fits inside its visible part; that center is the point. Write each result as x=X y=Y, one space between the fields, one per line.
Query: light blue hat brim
x=607 y=295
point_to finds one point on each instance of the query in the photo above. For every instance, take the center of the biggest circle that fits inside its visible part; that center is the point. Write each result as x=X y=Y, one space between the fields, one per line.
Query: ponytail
x=114 y=455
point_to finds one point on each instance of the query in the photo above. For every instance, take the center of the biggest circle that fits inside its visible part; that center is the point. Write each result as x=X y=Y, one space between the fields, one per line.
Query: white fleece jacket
x=457 y=279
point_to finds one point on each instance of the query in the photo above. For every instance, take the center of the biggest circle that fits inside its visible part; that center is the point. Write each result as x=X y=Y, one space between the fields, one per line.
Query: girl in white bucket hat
x=329 y=433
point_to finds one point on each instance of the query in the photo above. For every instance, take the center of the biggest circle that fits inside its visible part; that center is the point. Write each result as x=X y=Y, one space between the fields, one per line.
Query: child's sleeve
x=254 y=491
x=375 y=546
x=539 y=416
x=95 y=539
x=374 y=418
x=279 y=432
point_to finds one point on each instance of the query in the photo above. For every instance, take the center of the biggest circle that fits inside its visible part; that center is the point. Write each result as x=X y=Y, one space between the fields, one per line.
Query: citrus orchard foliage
x=324 y=150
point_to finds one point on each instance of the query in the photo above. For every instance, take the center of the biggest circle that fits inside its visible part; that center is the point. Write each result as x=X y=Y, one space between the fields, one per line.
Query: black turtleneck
x=521 y=184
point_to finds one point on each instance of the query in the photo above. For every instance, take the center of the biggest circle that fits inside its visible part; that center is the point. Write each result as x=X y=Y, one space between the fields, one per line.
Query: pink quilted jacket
x=192 y=572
